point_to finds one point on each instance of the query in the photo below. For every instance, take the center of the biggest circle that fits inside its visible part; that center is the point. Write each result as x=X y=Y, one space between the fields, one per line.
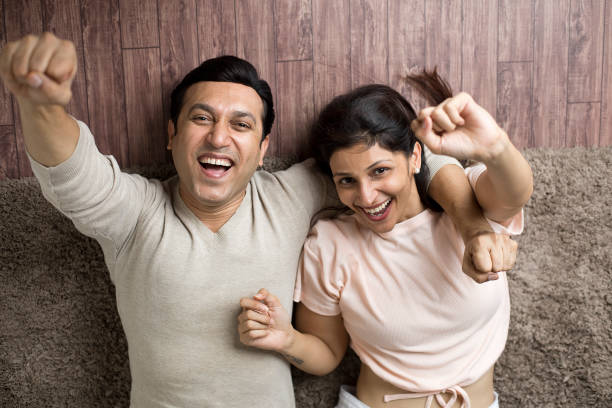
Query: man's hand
x=488 y=253
x=264 y=323
x=39 y=69
x=461 y=128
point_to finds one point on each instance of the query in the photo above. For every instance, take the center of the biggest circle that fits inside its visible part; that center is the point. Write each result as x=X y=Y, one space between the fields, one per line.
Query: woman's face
x=377 y=184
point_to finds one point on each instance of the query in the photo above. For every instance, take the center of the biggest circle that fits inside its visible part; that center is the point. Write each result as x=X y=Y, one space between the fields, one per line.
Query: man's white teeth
x=216 y=162
x=378 y=209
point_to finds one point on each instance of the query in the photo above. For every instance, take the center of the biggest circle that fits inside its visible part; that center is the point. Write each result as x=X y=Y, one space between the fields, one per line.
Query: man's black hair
x=226 y=68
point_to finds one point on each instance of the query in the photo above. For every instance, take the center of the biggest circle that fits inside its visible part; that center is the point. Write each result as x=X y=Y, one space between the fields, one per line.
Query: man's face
x=216 y=146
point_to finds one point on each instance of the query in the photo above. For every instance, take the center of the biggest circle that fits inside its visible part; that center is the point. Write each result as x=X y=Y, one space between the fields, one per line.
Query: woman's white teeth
x=378 y=209
x=216 y=162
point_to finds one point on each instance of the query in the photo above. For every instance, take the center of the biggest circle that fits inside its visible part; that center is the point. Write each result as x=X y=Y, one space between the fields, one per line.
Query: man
x=181 y=253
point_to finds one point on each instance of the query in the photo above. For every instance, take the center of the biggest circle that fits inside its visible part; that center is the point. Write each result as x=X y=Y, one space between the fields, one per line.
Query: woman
x=389 y=273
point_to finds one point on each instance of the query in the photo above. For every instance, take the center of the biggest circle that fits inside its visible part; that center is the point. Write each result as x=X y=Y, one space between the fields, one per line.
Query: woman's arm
x=317 y=348
x=505 y=186
x=459 y=127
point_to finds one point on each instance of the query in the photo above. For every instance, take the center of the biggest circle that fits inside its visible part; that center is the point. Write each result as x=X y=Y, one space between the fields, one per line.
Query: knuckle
x=69 y=45
x=47 y=36
x=30 y=39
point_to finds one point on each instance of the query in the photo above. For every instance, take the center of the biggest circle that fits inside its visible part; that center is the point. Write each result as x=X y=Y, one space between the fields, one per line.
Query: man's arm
x=452 y=190
x=38 y=71
x=486 y=253
x=74 y=176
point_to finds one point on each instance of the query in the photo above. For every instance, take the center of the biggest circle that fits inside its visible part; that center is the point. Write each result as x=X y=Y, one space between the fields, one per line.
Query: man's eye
x=243 y=125
x=200 y=118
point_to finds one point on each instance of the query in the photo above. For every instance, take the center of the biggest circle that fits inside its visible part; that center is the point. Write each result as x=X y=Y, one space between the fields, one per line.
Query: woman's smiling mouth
x=379 y=212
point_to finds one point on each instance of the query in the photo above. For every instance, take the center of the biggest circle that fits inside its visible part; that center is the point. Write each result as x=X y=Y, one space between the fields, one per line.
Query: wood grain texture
x=443 y=32
x=6 y=104
x=256 y=42
x=583 y=124
x=369 y=42
x=296 y=108
x=605 y=133
x=104 y=71
x=406 y=46
x=541 y=65
x=515 y=36
x=64 y=20
x=479 y=49
x=139 y=23
x=178 y=45
x=216 y=20
x=143 y=100
x=20 y=19
x=514 y=113
x=585 y=50
x=293 y=20
x=331 y=50
x=9 y=166
x=550 y=72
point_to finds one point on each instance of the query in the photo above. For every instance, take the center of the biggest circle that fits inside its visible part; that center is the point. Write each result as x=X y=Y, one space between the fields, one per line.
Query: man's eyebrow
x=210 y=109
x=243 y=114
x=201 y=106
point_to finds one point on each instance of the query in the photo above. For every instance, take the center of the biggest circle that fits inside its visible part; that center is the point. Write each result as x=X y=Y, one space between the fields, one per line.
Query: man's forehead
x=224 y=96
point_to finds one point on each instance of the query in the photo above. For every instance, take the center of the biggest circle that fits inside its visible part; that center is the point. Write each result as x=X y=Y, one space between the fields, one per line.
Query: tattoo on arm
x=293 y=359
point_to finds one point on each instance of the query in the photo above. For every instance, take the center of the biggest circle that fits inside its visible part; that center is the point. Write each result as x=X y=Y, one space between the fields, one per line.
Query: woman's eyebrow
x=377 y=163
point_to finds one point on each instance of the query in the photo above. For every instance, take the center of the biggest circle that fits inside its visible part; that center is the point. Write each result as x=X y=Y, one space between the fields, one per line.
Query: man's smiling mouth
x=215 y=167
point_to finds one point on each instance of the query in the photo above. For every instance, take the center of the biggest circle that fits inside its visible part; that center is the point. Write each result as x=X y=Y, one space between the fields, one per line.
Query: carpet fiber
x=61 y=342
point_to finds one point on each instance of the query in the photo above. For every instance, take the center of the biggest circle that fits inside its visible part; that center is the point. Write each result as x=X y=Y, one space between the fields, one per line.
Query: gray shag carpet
x=61 y=342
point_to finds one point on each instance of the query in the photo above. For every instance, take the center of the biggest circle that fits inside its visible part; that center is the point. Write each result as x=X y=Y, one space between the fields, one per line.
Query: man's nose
x=218 y=135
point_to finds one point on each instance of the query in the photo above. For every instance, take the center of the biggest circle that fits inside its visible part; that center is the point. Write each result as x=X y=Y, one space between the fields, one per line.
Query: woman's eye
x=345 y=181
x=380 y=170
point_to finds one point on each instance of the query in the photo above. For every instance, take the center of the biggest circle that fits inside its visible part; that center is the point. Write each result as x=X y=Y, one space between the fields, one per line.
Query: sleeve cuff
x=436 y=161
x=70 y=168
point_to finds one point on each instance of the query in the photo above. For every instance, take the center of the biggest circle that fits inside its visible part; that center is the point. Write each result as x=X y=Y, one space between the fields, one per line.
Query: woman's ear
x=415 y=158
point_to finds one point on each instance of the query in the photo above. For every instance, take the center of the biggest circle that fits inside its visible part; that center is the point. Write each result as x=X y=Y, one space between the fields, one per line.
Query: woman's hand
x=264 y=323
x=488 y=253
x=461 y=128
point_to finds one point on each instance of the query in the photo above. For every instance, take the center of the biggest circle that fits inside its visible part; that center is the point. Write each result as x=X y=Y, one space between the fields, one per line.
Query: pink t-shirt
x=413 y=316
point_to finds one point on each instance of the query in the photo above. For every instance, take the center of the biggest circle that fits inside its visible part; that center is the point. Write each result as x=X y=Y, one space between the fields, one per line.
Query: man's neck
x=214 y=217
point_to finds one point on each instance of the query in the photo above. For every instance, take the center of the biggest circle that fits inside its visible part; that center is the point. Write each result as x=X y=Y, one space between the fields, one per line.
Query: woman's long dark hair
x=374 y=114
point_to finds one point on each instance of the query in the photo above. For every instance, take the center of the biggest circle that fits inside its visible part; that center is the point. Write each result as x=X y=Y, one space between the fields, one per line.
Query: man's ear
x=263 y=149
x=171 y=133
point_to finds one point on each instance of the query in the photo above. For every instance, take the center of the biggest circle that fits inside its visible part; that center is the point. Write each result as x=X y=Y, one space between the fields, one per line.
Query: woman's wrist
x=498 y=150
x=290 y=341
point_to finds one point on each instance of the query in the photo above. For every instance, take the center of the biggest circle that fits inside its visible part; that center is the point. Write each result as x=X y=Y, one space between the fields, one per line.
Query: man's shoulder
x=279 y=173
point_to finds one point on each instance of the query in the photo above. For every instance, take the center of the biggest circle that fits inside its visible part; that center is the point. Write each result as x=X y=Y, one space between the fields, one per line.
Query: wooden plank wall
x=543 y=67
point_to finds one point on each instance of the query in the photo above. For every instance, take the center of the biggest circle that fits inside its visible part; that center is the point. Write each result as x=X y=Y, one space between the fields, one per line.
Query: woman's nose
x=367 y=194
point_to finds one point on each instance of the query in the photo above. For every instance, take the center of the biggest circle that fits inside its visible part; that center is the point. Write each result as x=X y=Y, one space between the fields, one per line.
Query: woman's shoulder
x=333 y=232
